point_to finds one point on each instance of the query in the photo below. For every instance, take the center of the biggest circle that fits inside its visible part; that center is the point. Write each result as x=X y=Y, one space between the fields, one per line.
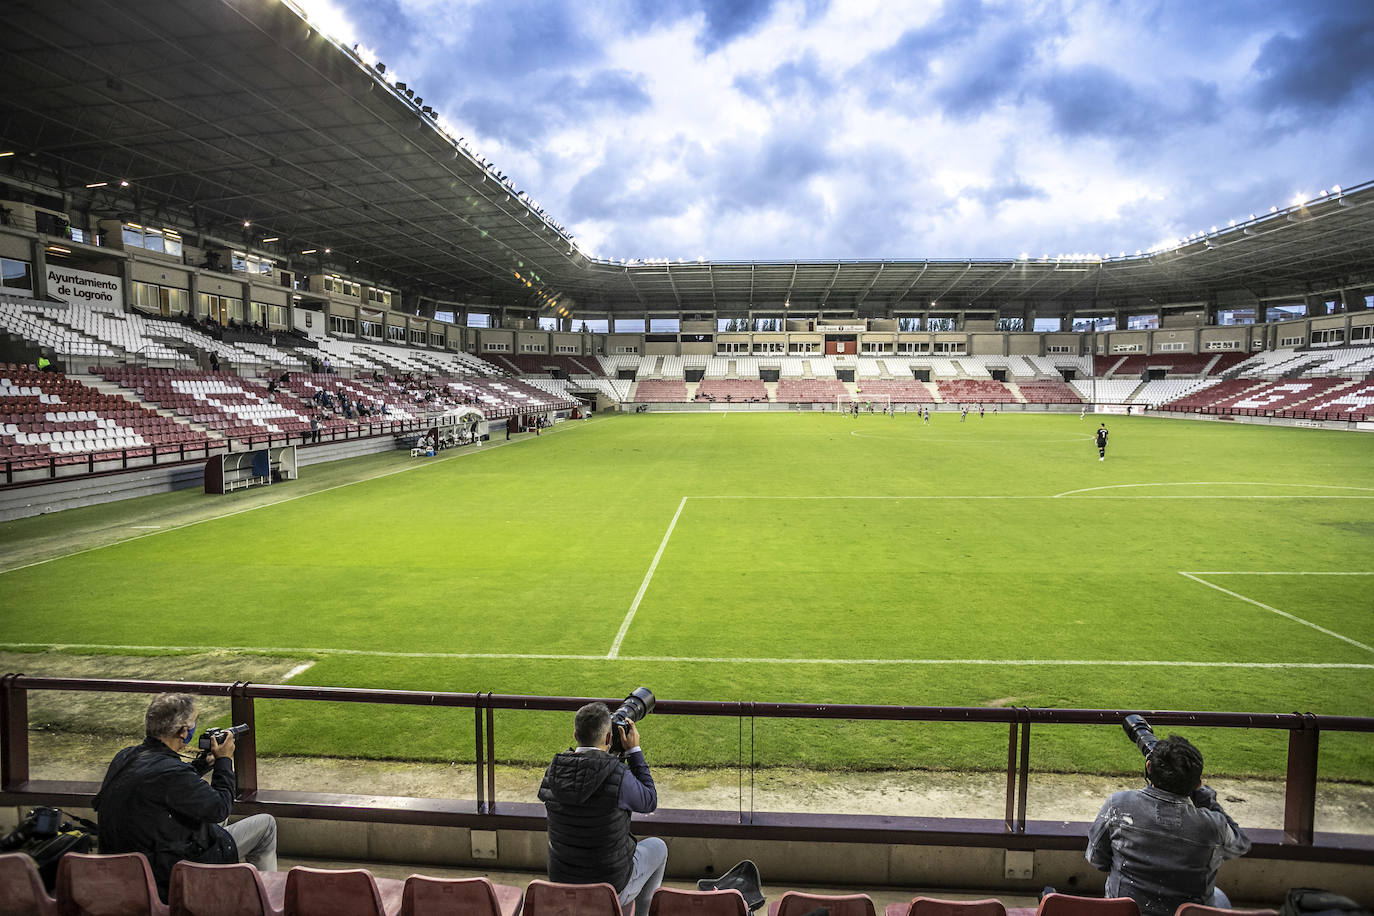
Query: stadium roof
x=226 y=112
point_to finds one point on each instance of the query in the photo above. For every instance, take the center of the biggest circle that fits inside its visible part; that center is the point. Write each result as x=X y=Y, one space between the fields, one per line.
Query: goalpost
x=880 y=403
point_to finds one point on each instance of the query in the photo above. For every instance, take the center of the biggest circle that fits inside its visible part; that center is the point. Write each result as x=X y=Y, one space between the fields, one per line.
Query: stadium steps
x=1207 y=370
x=934 y=390
x=81 y=336
x=806 y=369
x=1015 y=390
x=772 y=389
x=1107 y=373
x=100 y=384
x=960 y=371
x=883 y=371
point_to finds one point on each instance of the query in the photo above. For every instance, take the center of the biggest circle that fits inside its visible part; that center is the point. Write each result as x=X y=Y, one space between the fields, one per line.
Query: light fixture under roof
x=97 y=184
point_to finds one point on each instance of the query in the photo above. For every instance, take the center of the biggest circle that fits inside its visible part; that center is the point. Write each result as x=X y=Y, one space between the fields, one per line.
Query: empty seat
x=425 y=896
x=1197 y=909
x=549 y=898
x=342 y=892
x=668 y=901
x=794 y=903
x=225 y=890
x=107 y=885
x=21 y=889
x=933 y=906
x=1069 y=905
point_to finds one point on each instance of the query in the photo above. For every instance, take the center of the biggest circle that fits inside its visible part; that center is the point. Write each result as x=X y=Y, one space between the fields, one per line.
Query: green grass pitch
x=786 y=557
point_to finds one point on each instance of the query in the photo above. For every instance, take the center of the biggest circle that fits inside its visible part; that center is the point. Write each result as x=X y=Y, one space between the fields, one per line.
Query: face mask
x=190 y=733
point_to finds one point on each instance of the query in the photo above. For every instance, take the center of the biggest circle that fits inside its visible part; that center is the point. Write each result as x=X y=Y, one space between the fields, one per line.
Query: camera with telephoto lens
x=212 y=736
x=1139 y=731
x=636 y=706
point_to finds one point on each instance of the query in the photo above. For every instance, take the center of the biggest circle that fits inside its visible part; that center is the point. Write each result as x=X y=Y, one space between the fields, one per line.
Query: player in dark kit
x=1102 y=442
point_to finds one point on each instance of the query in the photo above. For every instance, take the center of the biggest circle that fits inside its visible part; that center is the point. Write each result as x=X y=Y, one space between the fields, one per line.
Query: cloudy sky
x=819 y=129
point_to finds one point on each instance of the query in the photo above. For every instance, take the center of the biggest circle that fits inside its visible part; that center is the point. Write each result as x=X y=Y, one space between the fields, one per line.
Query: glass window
x=257 y=313
x=1235 y=316
x=1134 y=322
x=631 y=325
x=1011 y=324
x=594 y=326
x=175 y=301
x=16 y=274
x=152 y=239
x=133 y=236
x=446 y=317
x=548 y=323
x=664 y=325
x=479 y=320
x=1285 y=312
x=1094 y=323
x=1046 y=325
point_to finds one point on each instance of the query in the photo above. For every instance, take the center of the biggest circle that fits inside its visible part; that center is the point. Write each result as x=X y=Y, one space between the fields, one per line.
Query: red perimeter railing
x=1297 y=840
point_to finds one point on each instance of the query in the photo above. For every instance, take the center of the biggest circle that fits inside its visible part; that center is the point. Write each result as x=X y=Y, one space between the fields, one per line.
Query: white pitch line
x=721 y=660
x=1225 y=483
x=299 y=669
x=1274 y=610
x=1242 y=572
x=278 y=502
x=644 y=586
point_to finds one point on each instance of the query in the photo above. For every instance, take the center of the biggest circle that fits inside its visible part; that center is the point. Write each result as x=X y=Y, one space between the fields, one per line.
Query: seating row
x=122 y=885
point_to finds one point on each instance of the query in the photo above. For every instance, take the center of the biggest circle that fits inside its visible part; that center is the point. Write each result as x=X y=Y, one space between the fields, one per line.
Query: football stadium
x=310 y=412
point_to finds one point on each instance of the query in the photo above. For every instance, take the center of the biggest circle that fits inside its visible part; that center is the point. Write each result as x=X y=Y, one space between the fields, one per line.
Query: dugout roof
x=226 y=111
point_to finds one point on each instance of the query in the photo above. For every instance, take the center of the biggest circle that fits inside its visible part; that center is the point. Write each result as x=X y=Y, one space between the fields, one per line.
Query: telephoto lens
x=637 y=705
x=212 y=735
x=1139 y=731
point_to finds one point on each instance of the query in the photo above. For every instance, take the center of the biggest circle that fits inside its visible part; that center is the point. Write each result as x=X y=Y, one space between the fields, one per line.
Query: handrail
x=1300 y=778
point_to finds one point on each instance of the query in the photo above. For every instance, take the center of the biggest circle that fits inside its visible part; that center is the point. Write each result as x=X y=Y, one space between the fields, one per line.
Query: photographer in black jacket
x=155 y=802
x=589 y=793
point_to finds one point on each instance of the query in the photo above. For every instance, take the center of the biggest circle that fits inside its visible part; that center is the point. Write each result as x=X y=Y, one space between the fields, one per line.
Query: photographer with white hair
x=154 y=801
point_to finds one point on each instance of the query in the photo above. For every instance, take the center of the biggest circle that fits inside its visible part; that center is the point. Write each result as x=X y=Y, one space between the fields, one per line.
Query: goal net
x=866 y=403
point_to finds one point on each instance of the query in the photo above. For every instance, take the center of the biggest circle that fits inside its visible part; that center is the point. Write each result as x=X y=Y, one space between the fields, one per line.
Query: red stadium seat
x=21 y=889
x=107 y=885
x=669 y=901
x=932 y=906
x=225 y=890
x=794 y=903
x=341 y=892
x=548 y=898
x=424 y=896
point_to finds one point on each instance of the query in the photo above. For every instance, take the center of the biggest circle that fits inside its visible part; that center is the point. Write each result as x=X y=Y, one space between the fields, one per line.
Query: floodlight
x=123 y=183
x=97 y=184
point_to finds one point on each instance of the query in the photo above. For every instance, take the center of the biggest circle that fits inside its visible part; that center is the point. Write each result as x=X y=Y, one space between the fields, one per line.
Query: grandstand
x=336 y=272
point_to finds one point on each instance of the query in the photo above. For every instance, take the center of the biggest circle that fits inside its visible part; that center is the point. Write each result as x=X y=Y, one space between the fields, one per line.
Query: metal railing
x=1297 y=839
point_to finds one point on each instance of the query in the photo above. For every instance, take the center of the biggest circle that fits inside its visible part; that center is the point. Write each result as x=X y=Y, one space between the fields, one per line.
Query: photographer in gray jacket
x=1163 y=844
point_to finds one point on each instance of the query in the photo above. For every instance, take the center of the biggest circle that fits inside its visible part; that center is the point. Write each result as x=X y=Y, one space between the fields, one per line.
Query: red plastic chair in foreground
x=1068 y=905
x=340 y=892
x=425 y=896
x=1197 y=909
x=933 y=906
x=225 y=890
x=669 y=901
x=108 y=885
x=21 y=889
x=549 y=898
x=794 y=903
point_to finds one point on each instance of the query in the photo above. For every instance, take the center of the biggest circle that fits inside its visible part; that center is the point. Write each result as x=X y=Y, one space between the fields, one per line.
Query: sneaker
x=1102 y=459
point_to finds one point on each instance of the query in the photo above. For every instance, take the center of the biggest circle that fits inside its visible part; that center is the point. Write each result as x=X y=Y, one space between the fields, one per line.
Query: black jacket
x=153 y=802
x=589 y=831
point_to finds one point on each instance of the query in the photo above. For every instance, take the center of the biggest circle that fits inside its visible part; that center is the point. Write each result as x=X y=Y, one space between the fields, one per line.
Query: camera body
x=211 y=736
x=637 y=705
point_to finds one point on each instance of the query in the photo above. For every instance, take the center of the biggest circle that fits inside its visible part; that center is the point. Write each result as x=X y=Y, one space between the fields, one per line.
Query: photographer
x=589 y=794
x=1164 y=844
x=155 y=802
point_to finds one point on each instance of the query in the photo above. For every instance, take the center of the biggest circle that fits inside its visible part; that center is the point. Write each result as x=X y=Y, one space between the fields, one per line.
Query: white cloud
x=1070 y=126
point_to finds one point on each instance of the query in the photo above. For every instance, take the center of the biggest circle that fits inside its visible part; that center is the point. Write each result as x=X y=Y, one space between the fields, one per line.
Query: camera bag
x=1313 y=901
x=744 y=878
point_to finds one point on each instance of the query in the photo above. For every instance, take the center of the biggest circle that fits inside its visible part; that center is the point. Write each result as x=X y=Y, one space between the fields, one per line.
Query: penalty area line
x=644 y=586
x=1274 y=610
x=722 y=660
